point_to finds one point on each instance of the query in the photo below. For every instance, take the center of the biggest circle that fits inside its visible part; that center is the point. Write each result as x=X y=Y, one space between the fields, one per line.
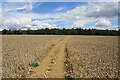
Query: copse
x=47 y=31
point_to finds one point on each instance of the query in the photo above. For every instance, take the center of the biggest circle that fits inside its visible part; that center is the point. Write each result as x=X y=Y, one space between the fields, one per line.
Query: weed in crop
x=53 y=59
x=52 y=62
x=31 y=72
x=23 y=76
x=34 y=65
x=49 y=69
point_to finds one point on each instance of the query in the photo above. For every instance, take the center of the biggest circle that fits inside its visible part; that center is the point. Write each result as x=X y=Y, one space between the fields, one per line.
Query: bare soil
x=52 y=66
x=19 y=51
x=93 y=56
x=76 y=56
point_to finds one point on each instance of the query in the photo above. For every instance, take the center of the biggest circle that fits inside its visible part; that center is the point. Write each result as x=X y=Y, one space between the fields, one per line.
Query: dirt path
x=52 y=66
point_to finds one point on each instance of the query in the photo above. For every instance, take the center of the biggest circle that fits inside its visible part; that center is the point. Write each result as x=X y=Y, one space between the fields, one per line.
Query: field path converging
x=52 y=66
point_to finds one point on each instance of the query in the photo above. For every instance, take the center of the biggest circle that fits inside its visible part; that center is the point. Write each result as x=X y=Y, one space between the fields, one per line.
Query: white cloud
x=28 y=8
x=25 y=22
x=103 y=23
x=25 y=8
x=22 y=7
x=51 y=21
x=70 y=26
x=108 y=10
x=115 y=27
x=79 y=16
x=83 y=21
x=13 y=23
x=34 y=15
x=1 y=16
x=59 y=9
x=93 y=10
x=61 y=0
x=39 y=24
x=85 y=15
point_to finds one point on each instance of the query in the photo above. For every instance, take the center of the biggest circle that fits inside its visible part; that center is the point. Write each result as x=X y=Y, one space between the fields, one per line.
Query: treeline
x=63 y=31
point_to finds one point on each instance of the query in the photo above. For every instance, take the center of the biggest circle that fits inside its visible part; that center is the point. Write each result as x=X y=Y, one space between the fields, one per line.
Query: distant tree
x=4 y=31
x=28 y=31
x=77 y=31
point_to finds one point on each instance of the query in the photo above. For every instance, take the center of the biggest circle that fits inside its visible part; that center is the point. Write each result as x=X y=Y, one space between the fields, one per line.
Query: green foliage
x=53 y=59
x=31 y=72
x=68 y=77
x=34 y=65
x=63 y=31
x=49 y=69
x=52 y=62
x=23 y=76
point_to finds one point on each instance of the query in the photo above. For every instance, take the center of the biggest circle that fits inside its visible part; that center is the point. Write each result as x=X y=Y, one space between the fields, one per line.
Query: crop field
x=92 y=56
x=0 y=64
x=18 y=52
x=55 y=56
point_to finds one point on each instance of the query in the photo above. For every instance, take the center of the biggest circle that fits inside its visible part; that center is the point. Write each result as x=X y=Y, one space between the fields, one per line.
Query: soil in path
x=52 y=66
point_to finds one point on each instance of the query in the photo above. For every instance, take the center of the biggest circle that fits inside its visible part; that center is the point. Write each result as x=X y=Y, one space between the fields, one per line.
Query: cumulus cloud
x=83 y=21
x=115 y=27
x=39 y=24
x=89 y=14
x=13 y=23
x=69 y=26
x=92 y=10
x=112 y=27
x=25 y=22
x=79 y=16
x=107 y=10
x=95 y=10
x=103 y=23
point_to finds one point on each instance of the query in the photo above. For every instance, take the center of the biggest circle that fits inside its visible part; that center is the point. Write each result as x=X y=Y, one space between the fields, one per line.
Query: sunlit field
x=85 y=57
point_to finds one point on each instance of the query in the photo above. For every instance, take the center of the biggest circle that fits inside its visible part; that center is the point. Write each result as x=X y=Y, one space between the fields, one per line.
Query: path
x=52 y=66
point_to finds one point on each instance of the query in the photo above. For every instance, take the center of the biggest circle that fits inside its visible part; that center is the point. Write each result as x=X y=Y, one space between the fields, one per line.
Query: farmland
x=93 y=56
x=76 y=56
x=21 y=51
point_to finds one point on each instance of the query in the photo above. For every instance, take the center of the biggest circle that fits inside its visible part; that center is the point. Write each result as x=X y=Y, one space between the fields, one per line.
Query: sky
x=40 y=15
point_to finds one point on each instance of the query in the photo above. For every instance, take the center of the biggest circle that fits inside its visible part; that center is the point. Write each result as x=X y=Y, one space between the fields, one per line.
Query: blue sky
x=50 y=7
x=37 y=15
